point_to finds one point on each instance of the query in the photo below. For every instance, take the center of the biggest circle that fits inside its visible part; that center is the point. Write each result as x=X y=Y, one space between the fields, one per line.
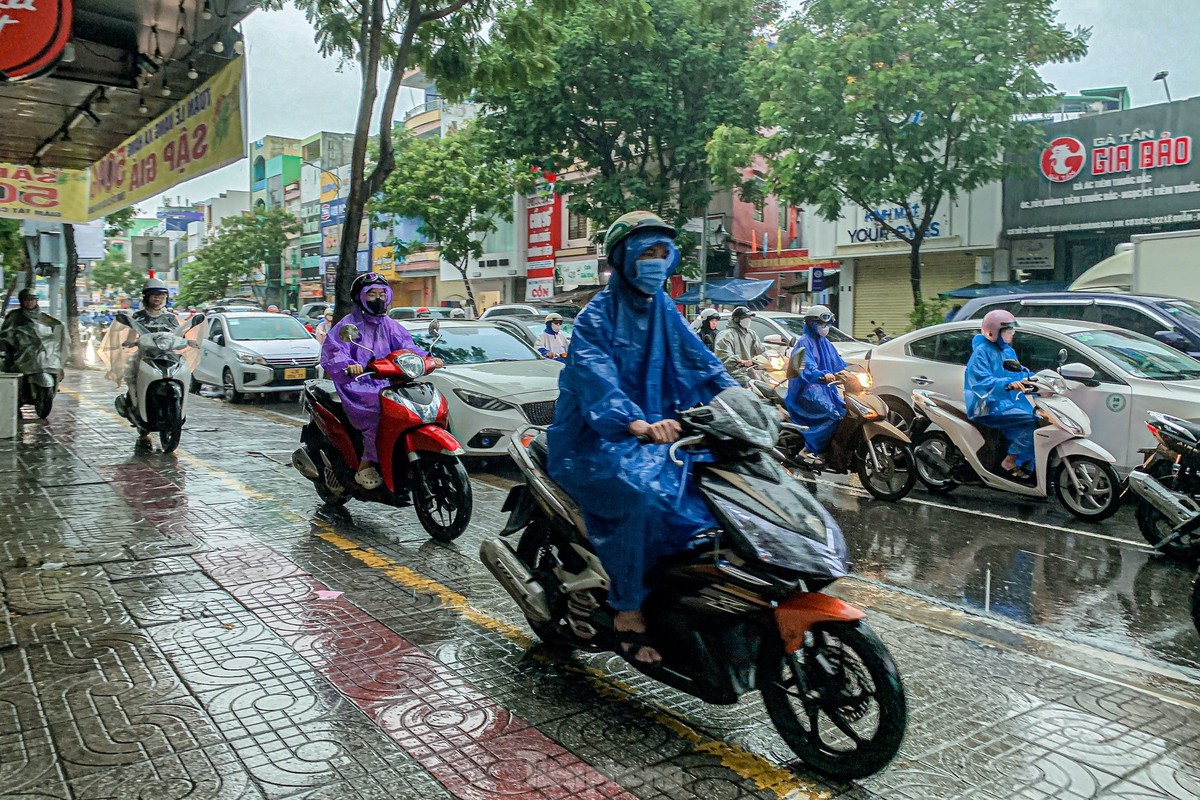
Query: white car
x=493 y=381
x=1134 y=374
x=255 y=352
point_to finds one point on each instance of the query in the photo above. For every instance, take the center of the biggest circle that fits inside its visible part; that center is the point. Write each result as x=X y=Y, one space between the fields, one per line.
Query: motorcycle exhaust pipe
x=1161 y=498
x=516 y=579
x=303 y=463
x=934 y=461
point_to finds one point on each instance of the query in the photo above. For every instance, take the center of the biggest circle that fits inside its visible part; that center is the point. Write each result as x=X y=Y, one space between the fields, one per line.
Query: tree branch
x=442 y=13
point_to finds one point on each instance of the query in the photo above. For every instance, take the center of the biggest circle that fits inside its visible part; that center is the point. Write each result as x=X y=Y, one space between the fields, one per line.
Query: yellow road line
x=764 y=773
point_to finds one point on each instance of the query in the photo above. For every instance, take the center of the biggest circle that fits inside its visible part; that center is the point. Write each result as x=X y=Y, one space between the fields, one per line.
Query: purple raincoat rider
x=633 y=365
x=346 y=362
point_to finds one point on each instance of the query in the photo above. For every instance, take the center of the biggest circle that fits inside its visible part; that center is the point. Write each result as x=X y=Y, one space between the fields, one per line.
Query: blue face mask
x=648 y=275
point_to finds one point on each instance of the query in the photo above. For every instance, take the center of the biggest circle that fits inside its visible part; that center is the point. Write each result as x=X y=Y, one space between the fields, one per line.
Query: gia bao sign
x=1118 y=170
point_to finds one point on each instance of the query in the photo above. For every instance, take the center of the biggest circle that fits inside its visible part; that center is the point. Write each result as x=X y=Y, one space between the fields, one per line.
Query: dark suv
x=1170 y=320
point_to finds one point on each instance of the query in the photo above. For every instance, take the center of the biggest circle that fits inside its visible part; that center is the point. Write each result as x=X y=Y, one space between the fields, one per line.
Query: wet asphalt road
x=1029 y=562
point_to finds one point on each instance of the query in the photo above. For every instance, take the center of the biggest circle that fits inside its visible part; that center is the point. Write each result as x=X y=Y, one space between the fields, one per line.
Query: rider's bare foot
x=1008 y=464
x=631 y=631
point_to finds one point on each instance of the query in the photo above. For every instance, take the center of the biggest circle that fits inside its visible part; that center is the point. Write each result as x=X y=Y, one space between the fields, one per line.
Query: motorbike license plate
x=295 y=374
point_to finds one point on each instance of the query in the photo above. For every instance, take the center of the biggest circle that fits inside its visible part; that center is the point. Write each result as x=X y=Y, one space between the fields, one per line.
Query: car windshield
x=1183 y=310
x=1140 y=356
x=795 y=327
x=475 y=345
x=265 y=329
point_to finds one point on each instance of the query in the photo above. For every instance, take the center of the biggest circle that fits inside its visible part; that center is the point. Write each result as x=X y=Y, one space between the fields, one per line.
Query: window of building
x=577 y=226
x=760 y=187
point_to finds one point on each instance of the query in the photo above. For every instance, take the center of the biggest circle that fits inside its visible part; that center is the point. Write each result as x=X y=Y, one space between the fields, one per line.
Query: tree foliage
x=633 y=106
x=899 y=103
x=241 y=246
x=118 y=223
x=456 y=187
x=114 y=273
x=453 y=41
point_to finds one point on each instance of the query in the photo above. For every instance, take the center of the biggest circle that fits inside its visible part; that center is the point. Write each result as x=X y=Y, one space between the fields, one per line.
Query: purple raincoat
x=379 y=335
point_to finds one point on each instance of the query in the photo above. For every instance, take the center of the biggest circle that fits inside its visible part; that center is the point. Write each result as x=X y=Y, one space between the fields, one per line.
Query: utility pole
x=703 y=255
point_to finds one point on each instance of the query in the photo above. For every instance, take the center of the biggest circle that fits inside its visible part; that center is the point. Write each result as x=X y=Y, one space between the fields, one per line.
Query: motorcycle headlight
x=486 y=402
x=776 y=362
x=865 y=380
x=164 y=341
x=251 y=358
x=413 y=366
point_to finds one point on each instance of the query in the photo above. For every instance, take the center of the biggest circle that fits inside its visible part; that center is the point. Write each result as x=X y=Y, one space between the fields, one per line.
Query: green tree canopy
x=633 y=106
x=241 y=246
x=456 y=187
x=114 y=273
x=904 y=103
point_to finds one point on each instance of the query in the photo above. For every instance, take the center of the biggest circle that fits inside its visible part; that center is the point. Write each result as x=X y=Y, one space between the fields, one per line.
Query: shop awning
x=994 y=289
x=731 y=292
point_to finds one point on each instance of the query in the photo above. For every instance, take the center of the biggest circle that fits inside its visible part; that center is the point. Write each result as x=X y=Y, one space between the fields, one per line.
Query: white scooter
x=959 y=452
x=165 y=361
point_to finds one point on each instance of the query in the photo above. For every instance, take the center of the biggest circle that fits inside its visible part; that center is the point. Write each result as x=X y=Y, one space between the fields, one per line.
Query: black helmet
x=27 y=294
x=740 y=313
x=363 y=283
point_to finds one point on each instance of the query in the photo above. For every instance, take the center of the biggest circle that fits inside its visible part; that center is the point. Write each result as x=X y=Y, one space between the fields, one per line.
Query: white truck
x=1151 y=264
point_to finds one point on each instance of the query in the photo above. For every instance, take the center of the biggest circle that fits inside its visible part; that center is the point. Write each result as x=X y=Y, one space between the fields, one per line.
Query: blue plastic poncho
x=810 y=402
x=360 y=397
x=990 y=402
x=632 y=357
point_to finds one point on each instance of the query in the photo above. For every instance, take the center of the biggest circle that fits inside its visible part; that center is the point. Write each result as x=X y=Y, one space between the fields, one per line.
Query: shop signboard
x=539 y=289
x=1119 y=170
x=543 y=237
x=860 y=227
x=33 y=34
x=1032 y=254
x=49 y=195
x=577 y=273
x=383 y=260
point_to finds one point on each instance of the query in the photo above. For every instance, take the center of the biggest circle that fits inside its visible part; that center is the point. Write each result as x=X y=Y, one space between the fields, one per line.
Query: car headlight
x=413 y=366
x=251 y=358
x=486 y=402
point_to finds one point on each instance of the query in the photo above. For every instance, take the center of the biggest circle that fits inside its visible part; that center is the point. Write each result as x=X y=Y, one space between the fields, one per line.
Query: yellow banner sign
x=383 y=259
x=202 y=132
x=47 y=195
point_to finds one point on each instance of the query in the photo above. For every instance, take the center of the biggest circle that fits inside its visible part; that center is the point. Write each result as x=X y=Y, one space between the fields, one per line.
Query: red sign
x=1063 y=159
x=33 y=34
x=544 y=236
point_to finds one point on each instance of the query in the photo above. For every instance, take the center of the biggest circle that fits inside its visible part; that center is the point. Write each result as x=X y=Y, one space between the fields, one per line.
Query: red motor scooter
x=419 y=458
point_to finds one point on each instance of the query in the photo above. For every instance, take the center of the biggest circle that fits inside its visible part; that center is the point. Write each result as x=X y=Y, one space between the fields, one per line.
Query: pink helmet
x=996 y=321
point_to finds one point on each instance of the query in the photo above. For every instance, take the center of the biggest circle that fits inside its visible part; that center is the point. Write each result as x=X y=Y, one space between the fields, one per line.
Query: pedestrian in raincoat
x=322 y=330
x=634 y=363
x=996 y=397
x=344 y=362
x=812 y=399
x=737 y=345
x=552 y=343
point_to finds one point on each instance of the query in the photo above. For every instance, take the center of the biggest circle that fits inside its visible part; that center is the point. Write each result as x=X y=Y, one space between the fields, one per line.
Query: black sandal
x=632 y=643
x=1018 y=474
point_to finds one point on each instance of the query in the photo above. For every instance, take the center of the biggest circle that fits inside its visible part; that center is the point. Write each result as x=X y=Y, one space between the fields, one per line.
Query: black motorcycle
x=1167 y=488
x=741 y=611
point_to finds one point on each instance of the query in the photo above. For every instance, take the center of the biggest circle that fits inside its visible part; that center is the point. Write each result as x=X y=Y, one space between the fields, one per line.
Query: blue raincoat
x=360 y=397
x=631 y=357
x=810 y=402
x=991 y=403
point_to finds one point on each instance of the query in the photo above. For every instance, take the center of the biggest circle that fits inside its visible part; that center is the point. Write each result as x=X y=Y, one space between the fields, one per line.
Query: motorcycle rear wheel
x=442 y=495
x=43 y=400
x=897 y=474
x=1155 y=527
x=940 y=444
x=810 y=699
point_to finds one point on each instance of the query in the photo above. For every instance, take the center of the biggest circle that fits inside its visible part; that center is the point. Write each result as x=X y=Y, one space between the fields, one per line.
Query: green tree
x=456 y=187
x=243 y=245
x=13 y=257
x=451 y=40
x=906 y=104
x=117 y=223
x=633 y=109
x=114 y=273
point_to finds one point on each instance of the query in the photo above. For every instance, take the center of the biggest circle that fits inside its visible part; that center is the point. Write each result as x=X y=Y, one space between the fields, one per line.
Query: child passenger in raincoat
x=633 y=365
x=995 y=397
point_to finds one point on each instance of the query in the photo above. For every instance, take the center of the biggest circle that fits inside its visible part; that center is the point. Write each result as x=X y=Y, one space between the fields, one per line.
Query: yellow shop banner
x=47 y=195
x=202 y=132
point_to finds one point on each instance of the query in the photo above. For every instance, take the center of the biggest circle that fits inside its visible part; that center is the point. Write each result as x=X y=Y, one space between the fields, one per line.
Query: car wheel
x=232 y=395
x=899 y=414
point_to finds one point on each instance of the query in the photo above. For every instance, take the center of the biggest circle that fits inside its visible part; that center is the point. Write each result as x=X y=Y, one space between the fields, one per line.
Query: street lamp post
x=1162 y=76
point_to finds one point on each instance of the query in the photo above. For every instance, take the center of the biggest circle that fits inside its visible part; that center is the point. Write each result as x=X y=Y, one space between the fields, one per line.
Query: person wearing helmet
x=737 y=345
x=343 y=362
x=996 y=397
x=153 y=314
x=273 y=309
x=552 y=343
x=458 y=313
x=707 y=330
x=812 y=399
x=31 y=340
x=634 y=364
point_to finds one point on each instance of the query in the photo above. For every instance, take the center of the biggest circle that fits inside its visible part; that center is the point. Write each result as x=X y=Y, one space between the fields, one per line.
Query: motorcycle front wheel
x=442 y=495
x=169 y=438
x=896 y=474
x=1098 y=495
x=838 y=702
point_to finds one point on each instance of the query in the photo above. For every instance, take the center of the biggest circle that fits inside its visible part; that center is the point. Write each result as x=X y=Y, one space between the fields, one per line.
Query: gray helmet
x=740 y=313
x=709 y=312
x=154 y=286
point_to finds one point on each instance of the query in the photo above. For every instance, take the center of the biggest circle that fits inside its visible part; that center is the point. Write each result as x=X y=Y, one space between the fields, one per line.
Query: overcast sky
x=294 y=92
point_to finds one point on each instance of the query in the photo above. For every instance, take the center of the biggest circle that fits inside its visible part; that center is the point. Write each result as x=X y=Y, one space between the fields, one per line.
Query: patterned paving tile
x=234 y=566
x=214 y=773
x=71 y=623
x=32 y=591
x=175 y=598
x=214 y=654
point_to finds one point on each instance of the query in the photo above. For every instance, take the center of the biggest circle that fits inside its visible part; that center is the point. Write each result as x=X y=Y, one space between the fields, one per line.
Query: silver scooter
x=951 y=450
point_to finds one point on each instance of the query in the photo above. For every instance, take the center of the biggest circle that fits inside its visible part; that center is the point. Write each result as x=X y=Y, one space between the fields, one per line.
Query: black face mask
x=376 y=307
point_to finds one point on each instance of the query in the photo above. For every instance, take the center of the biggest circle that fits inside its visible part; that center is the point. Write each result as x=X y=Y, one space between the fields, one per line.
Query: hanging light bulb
x=165 y=91
x=239 y=46
x=206 y=13
x=192 y=73
x=218 y=46
x=142 y=106
x=182 y=41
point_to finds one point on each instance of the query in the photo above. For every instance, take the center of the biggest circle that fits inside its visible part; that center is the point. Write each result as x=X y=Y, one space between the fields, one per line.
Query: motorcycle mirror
x=1012 y=365
x=773 y=339
x=123 y=318
x=434 y=327
x=348 y=333
x=196 y=319
x=795 y=364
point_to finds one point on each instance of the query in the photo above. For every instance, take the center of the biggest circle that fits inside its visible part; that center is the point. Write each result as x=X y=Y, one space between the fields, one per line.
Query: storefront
x=1099 y=180
x=800 y=281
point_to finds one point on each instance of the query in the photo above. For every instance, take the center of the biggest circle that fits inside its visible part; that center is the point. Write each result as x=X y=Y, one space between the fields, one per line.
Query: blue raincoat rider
x=996 y=397
x=812 y=399
x=632 y=366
